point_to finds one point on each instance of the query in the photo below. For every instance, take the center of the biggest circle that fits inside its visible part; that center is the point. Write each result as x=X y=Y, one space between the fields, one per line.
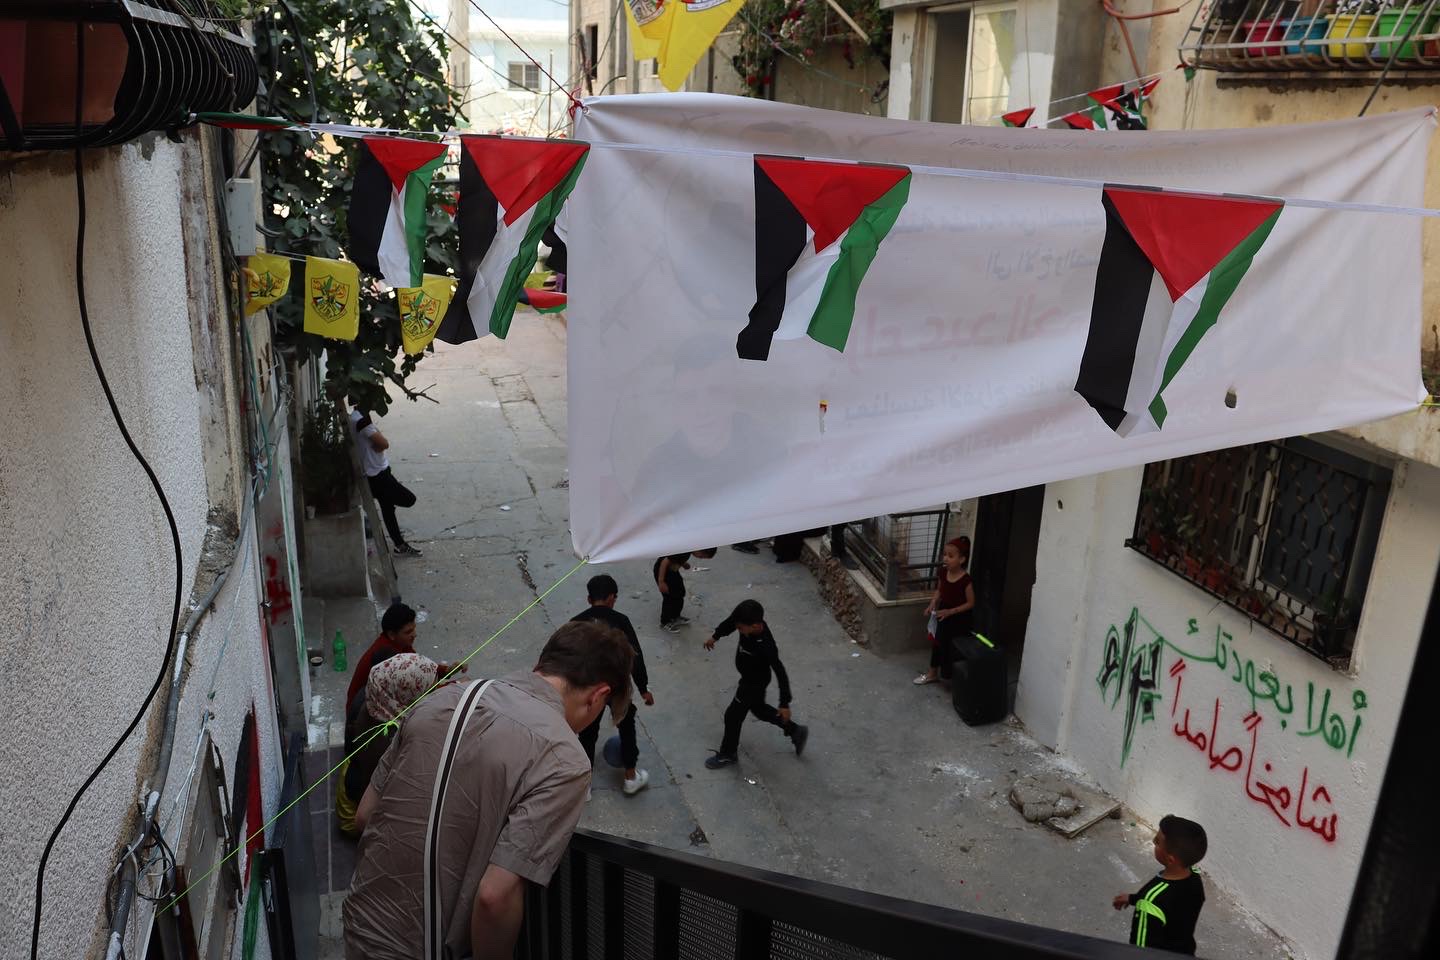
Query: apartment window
x=1268 y=37
x=650 y=69
x=592 y=50
x=972 y=53
x=1283 y=532
x=523 y=75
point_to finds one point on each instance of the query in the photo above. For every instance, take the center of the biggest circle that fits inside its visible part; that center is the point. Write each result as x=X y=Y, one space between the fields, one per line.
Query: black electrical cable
x=139 y=458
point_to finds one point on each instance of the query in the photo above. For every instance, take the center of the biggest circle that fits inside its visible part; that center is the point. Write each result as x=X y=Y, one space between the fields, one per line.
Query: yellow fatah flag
x=649 y=20
x=421 y=310
x=684 y=30
x=267 y=278
x=332 y=298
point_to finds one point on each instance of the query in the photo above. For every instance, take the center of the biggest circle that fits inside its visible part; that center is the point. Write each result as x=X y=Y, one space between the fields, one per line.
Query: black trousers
x=629 y=749
x=673 y=602
x=391 y=493
x=749 y=699
x=947 y=636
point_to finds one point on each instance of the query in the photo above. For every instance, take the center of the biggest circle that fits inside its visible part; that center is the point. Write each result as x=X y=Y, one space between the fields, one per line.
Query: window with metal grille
x=592 y=51
x=1310 y=37
x=1284 y=532
x=523 y=76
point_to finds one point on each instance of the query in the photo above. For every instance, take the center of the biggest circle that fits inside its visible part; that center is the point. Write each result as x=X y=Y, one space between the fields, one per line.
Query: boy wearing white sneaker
x=602 y=592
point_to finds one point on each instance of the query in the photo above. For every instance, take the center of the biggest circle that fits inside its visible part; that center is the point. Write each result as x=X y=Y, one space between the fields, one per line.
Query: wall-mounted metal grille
x=1315 y=37
x=900 y=551
x=1283 y=532
x=143 y=65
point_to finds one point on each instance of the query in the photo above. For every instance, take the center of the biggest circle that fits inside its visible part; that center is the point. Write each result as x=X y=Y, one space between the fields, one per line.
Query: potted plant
x=1307 y=24
x=1272 y=27
x=1334 y=619
x=1352 y=18
x=325 y=459
x=1398 y=19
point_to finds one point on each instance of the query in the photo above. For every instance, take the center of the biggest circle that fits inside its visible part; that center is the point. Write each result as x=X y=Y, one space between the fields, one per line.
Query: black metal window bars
x=148 y=65
x=1318 y=38
x=1283 y=532
x=900 y=551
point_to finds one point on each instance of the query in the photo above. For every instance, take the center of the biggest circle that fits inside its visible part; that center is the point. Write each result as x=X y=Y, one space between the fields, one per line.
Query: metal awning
x=146 y=65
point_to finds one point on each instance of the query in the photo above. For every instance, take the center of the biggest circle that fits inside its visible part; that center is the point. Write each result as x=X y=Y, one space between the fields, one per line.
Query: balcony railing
x=1322 y=38
x=622 y=899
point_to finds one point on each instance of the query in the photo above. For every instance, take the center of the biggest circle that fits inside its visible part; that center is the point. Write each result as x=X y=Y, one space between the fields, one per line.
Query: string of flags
x=1119 y=106
x=511 y=191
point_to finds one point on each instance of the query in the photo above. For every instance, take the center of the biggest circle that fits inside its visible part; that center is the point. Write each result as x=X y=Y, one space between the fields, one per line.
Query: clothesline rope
x=994 y=176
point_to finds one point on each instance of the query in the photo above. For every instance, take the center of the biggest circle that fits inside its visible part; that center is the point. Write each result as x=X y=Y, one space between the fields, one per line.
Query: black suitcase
x=979 y=687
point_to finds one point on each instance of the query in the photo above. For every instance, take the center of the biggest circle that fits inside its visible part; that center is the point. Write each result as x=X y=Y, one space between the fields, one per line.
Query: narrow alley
x=894 y=794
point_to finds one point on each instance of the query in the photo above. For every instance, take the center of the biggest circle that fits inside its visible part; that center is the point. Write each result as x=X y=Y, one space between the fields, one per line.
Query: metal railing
x=900 y=551
x=617 y=899
x=1315 y=37
x=1283 y=532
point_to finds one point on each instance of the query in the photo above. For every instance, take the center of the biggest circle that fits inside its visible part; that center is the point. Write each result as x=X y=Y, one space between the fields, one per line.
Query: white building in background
x=505 y=91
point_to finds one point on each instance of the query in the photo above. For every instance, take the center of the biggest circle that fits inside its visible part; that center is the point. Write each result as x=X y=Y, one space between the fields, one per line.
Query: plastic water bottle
x=339 y=658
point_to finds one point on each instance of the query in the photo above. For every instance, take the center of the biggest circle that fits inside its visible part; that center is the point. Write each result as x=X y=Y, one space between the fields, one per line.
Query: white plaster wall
x=86 y=574
x=1087 y=582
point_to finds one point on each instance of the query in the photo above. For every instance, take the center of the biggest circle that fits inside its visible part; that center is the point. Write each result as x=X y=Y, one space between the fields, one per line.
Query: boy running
x=756 y=657
x=1167 y=907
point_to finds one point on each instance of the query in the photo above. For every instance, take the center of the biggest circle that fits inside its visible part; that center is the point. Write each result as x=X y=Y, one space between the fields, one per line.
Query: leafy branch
x=372 y=64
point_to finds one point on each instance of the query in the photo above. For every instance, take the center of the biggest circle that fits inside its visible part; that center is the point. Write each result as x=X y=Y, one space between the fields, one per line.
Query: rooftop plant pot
x=1257 y=31
x=1305 y=29
x=1397 y=23
x=1345 y=25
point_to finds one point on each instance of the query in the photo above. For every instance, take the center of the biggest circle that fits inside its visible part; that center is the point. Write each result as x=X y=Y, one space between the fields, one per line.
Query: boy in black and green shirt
x=1168 y=906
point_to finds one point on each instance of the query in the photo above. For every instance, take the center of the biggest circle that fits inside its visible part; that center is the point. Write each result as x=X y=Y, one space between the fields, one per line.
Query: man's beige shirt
x=514 y=798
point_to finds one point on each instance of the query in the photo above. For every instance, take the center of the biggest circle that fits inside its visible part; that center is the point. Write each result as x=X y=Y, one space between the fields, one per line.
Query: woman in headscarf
x=394 y=684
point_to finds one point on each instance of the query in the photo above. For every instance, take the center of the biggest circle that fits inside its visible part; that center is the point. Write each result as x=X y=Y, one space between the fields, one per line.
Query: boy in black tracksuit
x=672 y=590
x=602 y=592
x=756 y=657
x=1168 y=906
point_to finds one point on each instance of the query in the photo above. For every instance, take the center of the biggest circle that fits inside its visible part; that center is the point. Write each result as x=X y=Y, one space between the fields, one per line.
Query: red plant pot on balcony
x=1258 y=31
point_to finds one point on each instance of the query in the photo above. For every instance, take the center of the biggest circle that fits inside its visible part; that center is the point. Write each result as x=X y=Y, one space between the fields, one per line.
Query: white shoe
x=587 y=794
x=632 y=787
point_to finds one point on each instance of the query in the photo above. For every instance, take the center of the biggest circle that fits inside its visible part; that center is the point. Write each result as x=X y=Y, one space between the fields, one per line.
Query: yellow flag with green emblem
x=332 y=298
x=421 y=310
x=267 y=279
x=677 y=32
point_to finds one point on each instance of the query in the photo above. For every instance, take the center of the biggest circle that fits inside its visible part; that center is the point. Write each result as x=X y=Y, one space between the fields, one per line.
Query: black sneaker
x=719 y=760
x=405 y=550
x=799 y=735
x=745 y=547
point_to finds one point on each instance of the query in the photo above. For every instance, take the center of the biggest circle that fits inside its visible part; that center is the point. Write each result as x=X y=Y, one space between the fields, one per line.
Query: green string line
x=373 y=733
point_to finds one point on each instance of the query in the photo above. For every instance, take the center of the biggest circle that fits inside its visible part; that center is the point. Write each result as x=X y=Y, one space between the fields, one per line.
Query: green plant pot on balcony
x=1397 y=23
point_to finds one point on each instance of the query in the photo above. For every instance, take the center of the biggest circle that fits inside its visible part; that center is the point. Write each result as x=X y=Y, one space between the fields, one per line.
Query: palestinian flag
x=818 y=226
x=1017 y=118
x=1091 y=119
x=542 y=301
x=511 y=191
x=1126 y=108
x=387 y=207
x=1169 y=264
x=247 y=121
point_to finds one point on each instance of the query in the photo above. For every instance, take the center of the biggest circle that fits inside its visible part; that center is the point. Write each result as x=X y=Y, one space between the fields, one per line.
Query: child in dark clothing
x=756 y=657
x=1168 y=906
x=602 y=592
x=672 y=590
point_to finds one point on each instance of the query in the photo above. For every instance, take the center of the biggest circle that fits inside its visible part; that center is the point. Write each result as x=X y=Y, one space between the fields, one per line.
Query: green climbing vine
x=366 y=62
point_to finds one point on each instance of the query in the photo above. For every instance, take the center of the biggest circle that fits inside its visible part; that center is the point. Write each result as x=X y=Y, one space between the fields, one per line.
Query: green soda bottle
x=339 y=658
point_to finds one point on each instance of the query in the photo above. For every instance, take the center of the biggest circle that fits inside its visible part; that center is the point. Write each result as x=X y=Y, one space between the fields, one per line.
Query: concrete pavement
x=894 y=794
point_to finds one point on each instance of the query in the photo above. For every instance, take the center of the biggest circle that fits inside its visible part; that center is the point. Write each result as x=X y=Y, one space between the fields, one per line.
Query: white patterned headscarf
x=397 y=682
